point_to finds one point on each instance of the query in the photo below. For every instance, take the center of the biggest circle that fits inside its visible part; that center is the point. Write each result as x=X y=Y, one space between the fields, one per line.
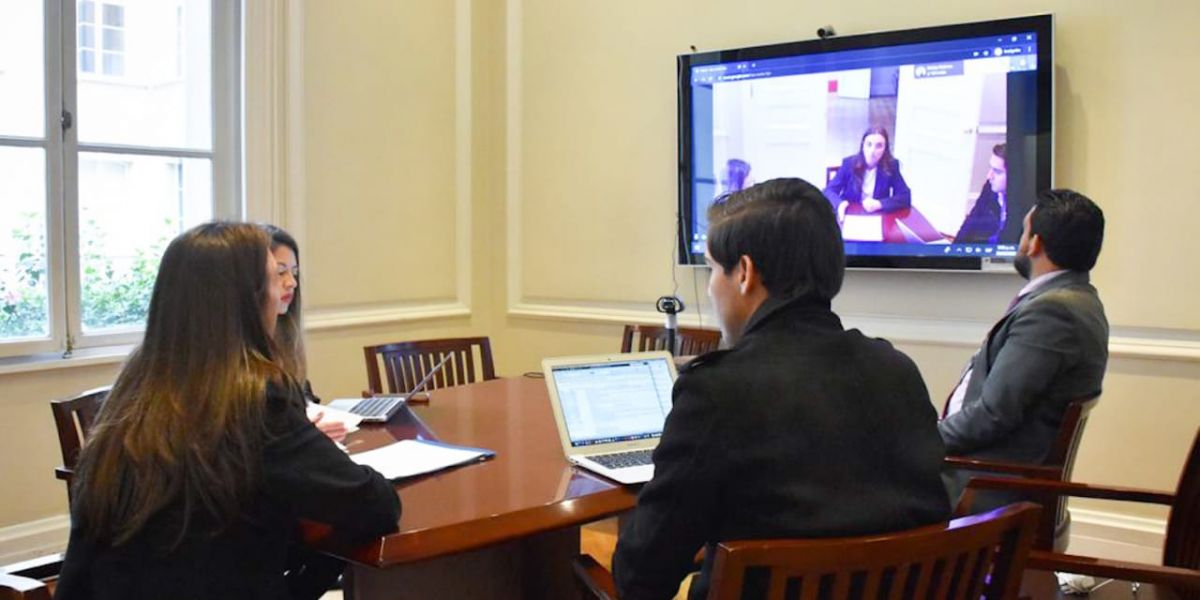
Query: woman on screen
x=869 y=182
x=201 y=462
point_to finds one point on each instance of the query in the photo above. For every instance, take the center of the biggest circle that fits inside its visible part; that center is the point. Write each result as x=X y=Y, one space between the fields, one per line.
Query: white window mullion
x=227 y=108
x=69 y=164
x=53 y=185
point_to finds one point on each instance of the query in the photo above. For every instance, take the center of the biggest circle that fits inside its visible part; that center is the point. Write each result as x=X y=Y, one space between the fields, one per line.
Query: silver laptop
x=380 y=408
x=610 y=410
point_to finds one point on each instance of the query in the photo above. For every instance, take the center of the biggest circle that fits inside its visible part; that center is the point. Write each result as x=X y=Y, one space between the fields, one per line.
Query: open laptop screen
x=614 y=401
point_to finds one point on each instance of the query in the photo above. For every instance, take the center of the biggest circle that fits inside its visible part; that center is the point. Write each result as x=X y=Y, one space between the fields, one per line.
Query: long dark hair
x=289 y=327
x=183 y=425
x=886 y=162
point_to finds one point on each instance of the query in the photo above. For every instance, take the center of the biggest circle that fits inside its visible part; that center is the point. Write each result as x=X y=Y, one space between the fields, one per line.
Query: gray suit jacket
x=1050 y=349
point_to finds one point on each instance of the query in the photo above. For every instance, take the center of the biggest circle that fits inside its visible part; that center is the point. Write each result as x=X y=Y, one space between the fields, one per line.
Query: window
x=106 y=157
x=101 y=43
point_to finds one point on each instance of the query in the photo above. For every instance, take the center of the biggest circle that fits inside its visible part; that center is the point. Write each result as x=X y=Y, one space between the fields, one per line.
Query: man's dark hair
x=1001 y=151
x=1071 y=227
x=788 y=229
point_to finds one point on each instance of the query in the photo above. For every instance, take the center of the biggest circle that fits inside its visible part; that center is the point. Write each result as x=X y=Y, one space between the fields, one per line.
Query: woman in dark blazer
x=202 y=462
x=873 y=162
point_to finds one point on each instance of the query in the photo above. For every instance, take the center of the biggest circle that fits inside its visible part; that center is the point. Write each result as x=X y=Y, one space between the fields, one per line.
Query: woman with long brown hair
x=202 y=461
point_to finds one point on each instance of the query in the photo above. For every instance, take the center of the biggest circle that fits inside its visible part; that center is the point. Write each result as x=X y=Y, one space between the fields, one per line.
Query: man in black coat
x=801 y=428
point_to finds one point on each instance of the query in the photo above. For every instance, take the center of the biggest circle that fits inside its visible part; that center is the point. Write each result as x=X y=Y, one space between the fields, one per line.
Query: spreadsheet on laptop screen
x=614 y=401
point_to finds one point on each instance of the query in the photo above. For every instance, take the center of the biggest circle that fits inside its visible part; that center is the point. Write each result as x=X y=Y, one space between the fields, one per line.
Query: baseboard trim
x=1093 y=533
x=34 y=539
x=1116 y=536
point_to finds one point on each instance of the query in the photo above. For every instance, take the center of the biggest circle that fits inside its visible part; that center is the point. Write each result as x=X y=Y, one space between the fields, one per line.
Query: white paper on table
x=407 y=458
x=329 y=413
x=862 y=228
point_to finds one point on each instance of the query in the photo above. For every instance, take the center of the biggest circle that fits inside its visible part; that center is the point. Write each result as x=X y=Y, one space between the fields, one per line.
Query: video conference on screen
x=941 y=124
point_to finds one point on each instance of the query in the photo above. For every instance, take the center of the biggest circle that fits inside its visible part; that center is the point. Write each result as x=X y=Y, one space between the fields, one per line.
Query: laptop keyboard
x=621 y=460
x=374 y=407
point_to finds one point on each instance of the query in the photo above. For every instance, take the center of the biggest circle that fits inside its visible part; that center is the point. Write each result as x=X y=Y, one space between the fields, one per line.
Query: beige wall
x=517 y=160
x=593 y=134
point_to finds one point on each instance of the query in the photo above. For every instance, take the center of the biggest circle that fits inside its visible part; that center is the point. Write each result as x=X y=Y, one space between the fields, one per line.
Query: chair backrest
x=29 y=580
x=980 y=556
x=688 y=340
x=74 y=418
x=406 y=363
x=1182 y=548
x=1052 y=530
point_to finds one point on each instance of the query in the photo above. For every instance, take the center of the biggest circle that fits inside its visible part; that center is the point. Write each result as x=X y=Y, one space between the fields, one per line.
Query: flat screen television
x=930 y=144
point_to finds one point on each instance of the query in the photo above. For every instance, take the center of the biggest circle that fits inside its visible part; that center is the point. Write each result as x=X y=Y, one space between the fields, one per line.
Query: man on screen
x=801 y=428
x=985 y=223
x=1049 y=348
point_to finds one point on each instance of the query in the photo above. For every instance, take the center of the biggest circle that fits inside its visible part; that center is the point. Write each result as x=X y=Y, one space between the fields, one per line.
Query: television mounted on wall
x=930 y=144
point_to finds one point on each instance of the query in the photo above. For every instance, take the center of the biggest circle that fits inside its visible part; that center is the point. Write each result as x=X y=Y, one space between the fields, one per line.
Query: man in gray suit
x=1049 y=348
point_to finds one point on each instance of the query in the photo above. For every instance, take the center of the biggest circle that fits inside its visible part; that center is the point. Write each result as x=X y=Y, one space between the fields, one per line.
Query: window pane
x=87 y=12
x=114 y=39
x=130 y=207
x=87 y=61
x=24 y=293
x=160 y=108
x=87 y=37
x=114 y=64
x=114 y=15
x=22 y=78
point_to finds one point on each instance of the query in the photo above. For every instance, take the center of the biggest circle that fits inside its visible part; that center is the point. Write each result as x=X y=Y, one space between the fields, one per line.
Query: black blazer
x=890 y=188
x=802 y=429
x=304 y=475
x=983 y=222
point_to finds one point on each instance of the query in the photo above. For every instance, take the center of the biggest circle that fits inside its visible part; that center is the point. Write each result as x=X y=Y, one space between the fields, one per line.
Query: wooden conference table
x=509 y=527
x=504 y=528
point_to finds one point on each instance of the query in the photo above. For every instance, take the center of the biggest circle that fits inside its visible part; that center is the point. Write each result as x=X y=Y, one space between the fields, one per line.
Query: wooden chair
x=406 y=363
x=74 y=418
x=980 y=556
x=1055 y=527
x=30 y=580
x=689 y=341
x=1180 y=567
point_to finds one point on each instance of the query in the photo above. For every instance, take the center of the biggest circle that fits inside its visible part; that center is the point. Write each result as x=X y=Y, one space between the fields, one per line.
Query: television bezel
x=1042 y=25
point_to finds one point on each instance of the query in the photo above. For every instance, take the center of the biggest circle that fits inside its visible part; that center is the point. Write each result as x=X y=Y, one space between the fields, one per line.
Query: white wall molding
x=1116 y=536
x=274 y=113
x=33 y=539
x=1167 y=345
x=323 y=320
x=463 y=150
x=512 y=153
x=278 y=192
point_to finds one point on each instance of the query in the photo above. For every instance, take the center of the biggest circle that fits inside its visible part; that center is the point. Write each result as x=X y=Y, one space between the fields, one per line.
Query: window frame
x=62 y=149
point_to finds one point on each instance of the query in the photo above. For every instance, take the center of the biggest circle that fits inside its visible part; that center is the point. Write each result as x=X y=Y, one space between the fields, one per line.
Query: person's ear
x=1035 y=246
x=749 y=277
